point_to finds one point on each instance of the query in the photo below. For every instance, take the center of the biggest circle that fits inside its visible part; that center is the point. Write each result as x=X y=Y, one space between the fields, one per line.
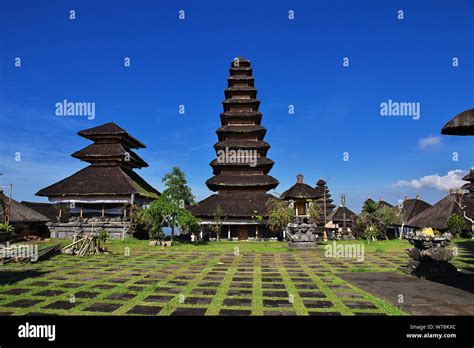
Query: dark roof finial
x=299 y=178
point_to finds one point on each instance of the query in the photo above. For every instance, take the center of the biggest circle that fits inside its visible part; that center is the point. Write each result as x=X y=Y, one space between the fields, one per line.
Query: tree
x=314 y=211
x=169 y=208
x=374 y=221
x=279 y=214
x=154 y=216
x=370 y=207
x=259 y=219
x=217 y=225
x=385 y=217
x=187 y=222
x=457 y=197
x=177 y=189
x=402 y=216
x=167 y=211
x=456 y=224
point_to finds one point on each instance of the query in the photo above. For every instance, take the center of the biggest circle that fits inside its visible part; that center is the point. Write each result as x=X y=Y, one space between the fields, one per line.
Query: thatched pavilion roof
x=337 y=215
x=470 y=185
x=111 y=171
x=461 y=124
x=259 y=181
x=19 y=213
x=300 y=190
x=109 y=130
x=101 y=181
x=238 y=205
x=413 y=207
x=108 y=152
x=382 y=204
x=50 y=210
x=437 y=216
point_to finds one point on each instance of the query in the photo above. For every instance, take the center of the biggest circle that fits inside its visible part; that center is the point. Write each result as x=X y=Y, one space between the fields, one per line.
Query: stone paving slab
x=188 y=283
x=420 y=296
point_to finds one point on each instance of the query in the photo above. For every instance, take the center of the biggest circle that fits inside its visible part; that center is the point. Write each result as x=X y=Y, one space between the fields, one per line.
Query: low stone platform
x=116 y=230
x=420 y=297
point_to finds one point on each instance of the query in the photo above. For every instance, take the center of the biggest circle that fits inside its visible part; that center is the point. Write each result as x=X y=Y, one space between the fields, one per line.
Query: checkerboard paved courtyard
x=193 y=283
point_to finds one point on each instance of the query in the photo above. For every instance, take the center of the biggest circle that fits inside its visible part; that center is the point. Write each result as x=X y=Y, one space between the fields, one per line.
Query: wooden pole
x=7 y=212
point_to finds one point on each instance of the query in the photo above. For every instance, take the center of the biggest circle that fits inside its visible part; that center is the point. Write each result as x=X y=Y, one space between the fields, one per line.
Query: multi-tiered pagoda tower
x=101 y=195
x=241 y=169
x=324 y=201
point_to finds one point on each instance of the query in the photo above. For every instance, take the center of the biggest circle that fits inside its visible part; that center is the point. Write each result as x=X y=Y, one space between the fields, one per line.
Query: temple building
x=340 y=218
x=102 y=195
x=382 y=203
x=410 y=207
x=461 y=124
x=301 y=196
x=241 y=179
x=324 y=201
x=24 y=220
x=460 y=202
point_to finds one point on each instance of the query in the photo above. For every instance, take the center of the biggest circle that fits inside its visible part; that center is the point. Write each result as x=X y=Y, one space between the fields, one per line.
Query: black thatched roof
x=109 y=151
x=259 y=145
x=241 y=205
x=262 y=163
x=110 y=129
x=470 y=185
x=413 y=207
x=257 y=130
x=337 y=215
x=259 y=181
x=110 y=174
x=469 y=176
x=50 y=210
x=254 y=116
x=382 y=204
x=229 y=91
x=437 y=215
x=101 y=181
x=461 y=124
x=300 y=190
x=324 y=197
x=19 y=213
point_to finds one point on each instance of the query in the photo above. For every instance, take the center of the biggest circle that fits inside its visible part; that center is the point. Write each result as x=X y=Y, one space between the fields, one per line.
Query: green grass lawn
x=243 y=246
x=264 y=278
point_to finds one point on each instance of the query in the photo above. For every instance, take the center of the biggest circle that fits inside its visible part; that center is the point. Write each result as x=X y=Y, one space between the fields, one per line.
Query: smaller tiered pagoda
x=324 y=201
x=102 y=195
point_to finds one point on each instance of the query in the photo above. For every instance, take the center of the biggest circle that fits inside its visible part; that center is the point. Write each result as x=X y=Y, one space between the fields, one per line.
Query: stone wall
x=116 y=230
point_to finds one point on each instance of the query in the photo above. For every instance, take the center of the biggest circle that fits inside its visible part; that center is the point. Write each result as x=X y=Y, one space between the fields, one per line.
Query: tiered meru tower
x=241 y=169
x=101 y=195
x=325 y=201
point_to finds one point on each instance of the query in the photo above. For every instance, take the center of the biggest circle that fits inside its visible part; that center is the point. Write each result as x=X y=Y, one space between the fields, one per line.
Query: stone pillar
x=200 y=234
x=228 y=233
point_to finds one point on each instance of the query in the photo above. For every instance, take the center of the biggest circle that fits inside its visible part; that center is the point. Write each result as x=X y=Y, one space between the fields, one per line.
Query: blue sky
x=297 y=62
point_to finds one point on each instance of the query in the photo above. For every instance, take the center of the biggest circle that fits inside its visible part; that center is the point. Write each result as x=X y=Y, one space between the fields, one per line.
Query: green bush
x=456 y=224
x=6 y=228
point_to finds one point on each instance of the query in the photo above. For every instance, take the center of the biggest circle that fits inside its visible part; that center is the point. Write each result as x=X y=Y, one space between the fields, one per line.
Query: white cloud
x=429 y=142
x=452 y=180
